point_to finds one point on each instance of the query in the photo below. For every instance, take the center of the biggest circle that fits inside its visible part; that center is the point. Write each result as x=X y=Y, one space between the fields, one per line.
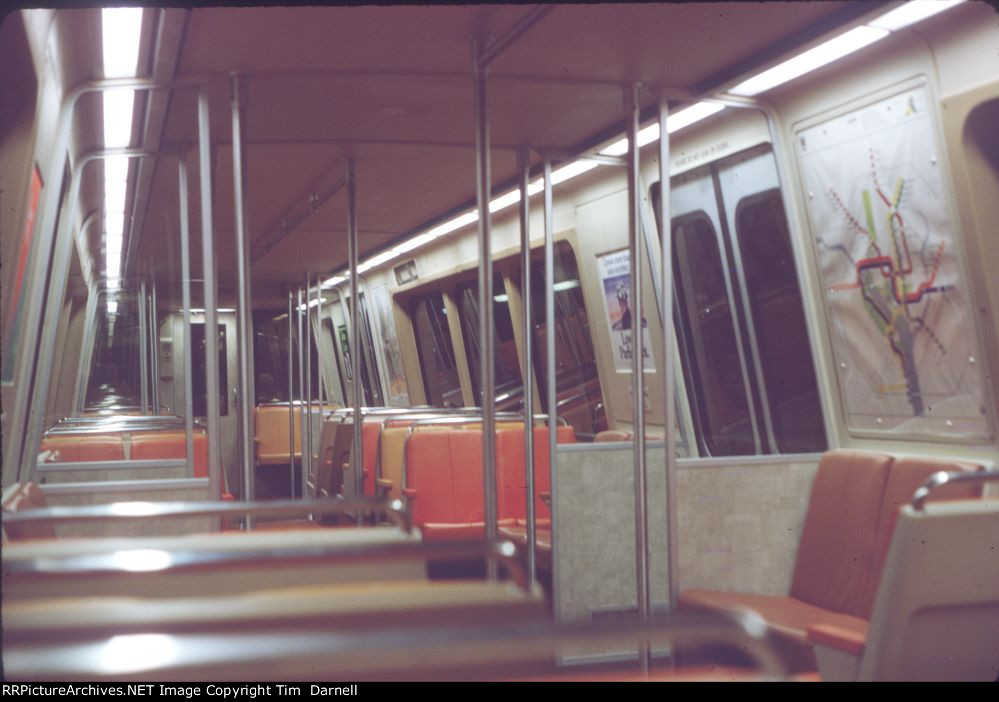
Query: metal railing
x=941 y=478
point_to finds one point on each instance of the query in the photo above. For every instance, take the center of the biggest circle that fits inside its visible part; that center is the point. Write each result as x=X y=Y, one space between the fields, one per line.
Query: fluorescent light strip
x=497 y=204
x=827 y=52
x=675 y=122
x=912 y=12
x=118 y=118
x=312 y=303
x=121 y=28
x=112 y=307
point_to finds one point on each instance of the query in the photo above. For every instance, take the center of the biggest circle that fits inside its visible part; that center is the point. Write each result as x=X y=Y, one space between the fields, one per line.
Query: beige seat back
x=936 y=613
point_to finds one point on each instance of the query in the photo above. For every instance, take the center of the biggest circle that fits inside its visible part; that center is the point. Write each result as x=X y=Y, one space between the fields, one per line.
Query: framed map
x=885 y=243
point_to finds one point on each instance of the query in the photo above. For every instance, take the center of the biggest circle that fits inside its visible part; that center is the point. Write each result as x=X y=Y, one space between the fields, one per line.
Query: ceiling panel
x=392 y=87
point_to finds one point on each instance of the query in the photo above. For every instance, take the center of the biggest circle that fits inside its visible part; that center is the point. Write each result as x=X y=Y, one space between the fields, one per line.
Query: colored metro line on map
x=885 y=246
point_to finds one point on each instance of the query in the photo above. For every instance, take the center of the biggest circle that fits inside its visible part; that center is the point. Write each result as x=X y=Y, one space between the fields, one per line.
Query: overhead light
x=112 y=307
x=565 y=285
x=911 y=12
x=312 y=303
x=414 y=243
x=113 y=283
x=463 y=220
x=504 y=201
x=453 y=224
x=118 y=117
x=379 y=259
x=827 y=52
x=572 y=170
x=502 y=297
x=675 y=122
x=121 y=28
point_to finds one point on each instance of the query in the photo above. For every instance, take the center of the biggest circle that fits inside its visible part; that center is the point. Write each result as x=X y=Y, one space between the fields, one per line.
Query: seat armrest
x=837 y=650
x=410 y=493
x=850 y=641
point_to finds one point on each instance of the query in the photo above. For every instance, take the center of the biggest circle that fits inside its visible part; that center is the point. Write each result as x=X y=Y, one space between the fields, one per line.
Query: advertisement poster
x=615 y=277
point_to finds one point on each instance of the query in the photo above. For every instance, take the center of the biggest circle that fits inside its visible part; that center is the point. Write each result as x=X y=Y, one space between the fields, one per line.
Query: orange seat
x=72 y=448
x=172 y=444
x=271 y=434
x=848 y=527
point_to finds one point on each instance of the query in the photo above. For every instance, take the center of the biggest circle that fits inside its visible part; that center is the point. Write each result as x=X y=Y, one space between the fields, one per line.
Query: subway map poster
x=902 y=336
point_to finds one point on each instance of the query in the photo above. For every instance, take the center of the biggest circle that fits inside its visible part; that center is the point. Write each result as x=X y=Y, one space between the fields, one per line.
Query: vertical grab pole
x=666 y=259
x=551 y=389
x=185 y=274
x=307 y=446
x=244 y=315
x=154 y=345
x=637 y=368
x=143 y=349
x=524 y=164
x=301 y=389
x=486 y=341
x=354 y=331
x=211 y=302
x=86 y=353
x=291 y=395
x=320 y=365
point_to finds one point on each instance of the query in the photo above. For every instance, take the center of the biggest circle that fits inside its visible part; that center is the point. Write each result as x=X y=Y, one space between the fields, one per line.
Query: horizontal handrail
x=941 y=478
x=140 y=464
x=393 y=509
x=373 y=651
x=140 y=560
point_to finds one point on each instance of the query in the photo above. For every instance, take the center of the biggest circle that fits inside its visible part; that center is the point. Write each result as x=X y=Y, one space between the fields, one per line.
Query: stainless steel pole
x=669 y=371
x=487 y=383
x=154 y=345
x=210 y=295
x=86 y=353
x=524 y=164
x=355 y=328
x=551 y=387
x=291 y=395
x=244 y=310
x=143 y=349
x=185 y=274
x=307 y=448
x=637 y=366
x=301 y=385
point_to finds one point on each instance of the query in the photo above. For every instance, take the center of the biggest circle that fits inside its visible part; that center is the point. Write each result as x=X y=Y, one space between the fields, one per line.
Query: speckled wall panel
x=739 y=526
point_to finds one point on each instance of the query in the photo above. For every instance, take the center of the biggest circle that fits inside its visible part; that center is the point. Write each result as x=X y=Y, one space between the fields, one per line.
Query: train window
x=433 y=346
x=370 y=387
x=712 y=370
x=779 y=319
x=328 y=327
x=198 y=367
x=509 y=385
x=739 y=316
x=369 y=366
x=576 y=381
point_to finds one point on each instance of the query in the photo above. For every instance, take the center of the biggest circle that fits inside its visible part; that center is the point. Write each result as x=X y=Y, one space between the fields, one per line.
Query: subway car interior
x=362 y=473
